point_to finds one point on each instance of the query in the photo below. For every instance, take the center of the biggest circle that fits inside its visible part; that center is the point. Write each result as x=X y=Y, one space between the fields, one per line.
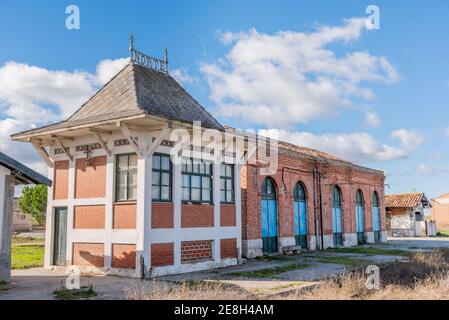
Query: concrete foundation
x=252 y=248
x=350 y=239
x=370 y=237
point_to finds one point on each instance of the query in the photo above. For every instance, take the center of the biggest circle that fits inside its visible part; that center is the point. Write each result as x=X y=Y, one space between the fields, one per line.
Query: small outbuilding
x=405 y=214
x=12 y=173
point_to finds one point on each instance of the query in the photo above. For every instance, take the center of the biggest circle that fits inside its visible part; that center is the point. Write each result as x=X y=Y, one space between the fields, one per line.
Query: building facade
x=440 y=211
x=406 y=214
x=121 y=204
x=313 y=201
x=21 y=222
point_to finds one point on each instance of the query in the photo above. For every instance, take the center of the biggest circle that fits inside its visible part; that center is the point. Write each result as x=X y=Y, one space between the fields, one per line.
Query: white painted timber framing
x=143 y=236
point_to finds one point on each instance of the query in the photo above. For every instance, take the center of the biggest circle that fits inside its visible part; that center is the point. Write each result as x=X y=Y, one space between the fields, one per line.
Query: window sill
x=126 y=202
x=197 y=203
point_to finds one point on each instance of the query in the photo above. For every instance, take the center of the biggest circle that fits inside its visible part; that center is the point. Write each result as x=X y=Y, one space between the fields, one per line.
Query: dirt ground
x=39 y=284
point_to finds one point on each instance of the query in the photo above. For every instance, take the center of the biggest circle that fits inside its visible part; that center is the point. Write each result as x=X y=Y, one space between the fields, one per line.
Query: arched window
x=376 y=217
x=337 y=217
x=268 y=208
x=300 y=215
x=360 y=217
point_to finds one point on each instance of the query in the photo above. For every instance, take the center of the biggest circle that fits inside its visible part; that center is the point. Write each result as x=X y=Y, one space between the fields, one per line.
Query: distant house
x=21 y=222
x=405 y=214
x=440 y=211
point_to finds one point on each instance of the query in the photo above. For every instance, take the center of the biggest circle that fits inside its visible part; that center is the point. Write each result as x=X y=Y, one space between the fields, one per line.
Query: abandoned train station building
x=120 y=204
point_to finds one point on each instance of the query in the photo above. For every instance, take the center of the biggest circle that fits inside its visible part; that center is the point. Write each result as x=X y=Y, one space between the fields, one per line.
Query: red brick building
x=318 y=175
x=120 y=203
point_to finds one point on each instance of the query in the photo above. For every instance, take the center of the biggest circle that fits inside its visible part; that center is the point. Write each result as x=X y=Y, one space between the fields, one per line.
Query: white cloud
x=32 y=96
x=182 y=76
x=410 y=139
x=358 y=147
x=108 y=68
x=424 y=170
x=372 y=118
x=292 y=77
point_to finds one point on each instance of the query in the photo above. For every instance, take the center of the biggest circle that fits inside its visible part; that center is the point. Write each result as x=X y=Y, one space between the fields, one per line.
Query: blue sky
x=411 y=101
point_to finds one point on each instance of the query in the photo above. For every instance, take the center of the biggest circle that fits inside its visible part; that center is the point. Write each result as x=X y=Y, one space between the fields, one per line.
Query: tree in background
x=34 y=202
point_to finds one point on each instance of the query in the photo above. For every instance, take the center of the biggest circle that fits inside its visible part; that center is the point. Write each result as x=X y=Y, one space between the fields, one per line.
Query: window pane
x=229 y=196
x=132 y=160
x=155 y=192
x=207 y=168
x=165 y=165
x=229 y=171
x=196 y=182
x=222 y=184
x=155 y=178
x=196 y=195
x=132 y=176
x=206 y=195
x=229 y=185
x=165 y=194
x=223 y=196
x=132 y=190
x=206 y=183
x=185 y=194
x=122 y=162
x=196 y=166
x=189 y=166
x=156 y=162
x=121 y=193
x=121 y=178
x=185 y=180
x=165 y=179
x=223 y=170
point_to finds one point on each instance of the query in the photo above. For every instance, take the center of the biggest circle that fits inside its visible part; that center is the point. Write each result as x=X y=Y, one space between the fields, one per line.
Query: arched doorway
x=269 y=216
x=360 y=217
x=300 y=215
x=376 y=217
x=337 y=217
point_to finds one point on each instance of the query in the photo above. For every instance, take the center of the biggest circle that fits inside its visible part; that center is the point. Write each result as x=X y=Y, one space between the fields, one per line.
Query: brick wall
x=161 y=215
x=90 y=181
x=292 y=169
x=124 y=256
x=88 y=217
x=194 y=251
x=162 y=254
x=228 y=248
x=227 y=215
x=88 y=254
x=124 y=216
x=197 y=216
x=61 y=180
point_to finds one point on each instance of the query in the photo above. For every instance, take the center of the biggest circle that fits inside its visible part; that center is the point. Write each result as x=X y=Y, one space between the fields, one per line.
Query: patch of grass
x=269 y=272
x=443 y=233
x=83 y=292
x=371 y=251
x=26 y=240
x=24 y=257
x=343 y=260
x=273 y=258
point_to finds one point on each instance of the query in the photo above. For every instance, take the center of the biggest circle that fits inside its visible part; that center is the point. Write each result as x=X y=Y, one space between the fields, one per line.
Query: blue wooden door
x=376 y=218
x=337 y=217
x=269 y=217
x=300 y=216
x=360 y=218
